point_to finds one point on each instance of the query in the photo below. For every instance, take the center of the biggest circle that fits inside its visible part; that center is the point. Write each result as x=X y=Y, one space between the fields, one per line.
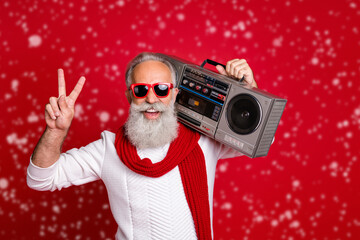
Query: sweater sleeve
x=74 y=167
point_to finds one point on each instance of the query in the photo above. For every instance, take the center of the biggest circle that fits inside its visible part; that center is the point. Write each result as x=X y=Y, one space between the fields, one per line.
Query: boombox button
x=205 y=90
x=221 y=97
x=198 y=87
x=191 y=84
x=185 y=82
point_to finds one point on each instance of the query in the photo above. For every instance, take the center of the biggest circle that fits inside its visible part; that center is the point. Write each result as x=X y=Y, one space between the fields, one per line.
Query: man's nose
x=151 y=97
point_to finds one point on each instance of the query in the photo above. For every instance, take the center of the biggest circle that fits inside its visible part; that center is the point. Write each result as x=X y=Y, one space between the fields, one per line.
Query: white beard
x=144 y=133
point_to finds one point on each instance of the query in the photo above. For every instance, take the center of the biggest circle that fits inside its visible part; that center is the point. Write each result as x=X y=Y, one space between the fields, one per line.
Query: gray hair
x=143 y=57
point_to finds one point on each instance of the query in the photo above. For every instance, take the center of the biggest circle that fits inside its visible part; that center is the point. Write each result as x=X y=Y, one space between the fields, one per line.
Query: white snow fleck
x=56 y=209
x=162 y=25
x=294 y=224
x=349 y=134
x=357 y=111
x=99 y=54
x=227 y=34
x=4 y=183
x=13 y=139
x=15 y=85
x=226 y=206
x=259 y=219
x=274 y=223
x=210 y=28
x=355 y=30
x=121 y=112
x=120 y=3
x=286 y=135
x=104 y=116
x=352 y=5
x=335 y=81
x=241 y=25
x=223 y=167
x=287 y=215
x=314 y=61
x=180 y=16
x=248 y=35
x=114 y=67
x=343 y=124
x=32 y=118
x=296 y=183
x=24 y=207
x=277 y=42
x=79 y=111
x=34 y=41
x=334 y=165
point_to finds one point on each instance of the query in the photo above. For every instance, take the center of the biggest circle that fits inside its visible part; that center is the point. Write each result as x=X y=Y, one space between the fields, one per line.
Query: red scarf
x=186 y=153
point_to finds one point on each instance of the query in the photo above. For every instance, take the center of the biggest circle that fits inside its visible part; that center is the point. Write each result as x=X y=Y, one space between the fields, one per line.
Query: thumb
x=221 y=70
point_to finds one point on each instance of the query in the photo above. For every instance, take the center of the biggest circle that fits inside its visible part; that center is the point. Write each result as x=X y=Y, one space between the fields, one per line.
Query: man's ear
x=175 y=92
x=128 y=95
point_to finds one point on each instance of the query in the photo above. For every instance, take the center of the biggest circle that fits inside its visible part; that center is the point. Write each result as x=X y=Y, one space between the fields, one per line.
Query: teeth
x=151 y=110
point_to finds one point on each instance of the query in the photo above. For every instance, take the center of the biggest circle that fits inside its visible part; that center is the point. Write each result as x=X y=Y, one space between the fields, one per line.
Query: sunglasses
x=141 y=90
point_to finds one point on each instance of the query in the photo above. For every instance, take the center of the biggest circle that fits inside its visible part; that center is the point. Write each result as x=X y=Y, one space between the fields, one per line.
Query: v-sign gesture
x=59 y=112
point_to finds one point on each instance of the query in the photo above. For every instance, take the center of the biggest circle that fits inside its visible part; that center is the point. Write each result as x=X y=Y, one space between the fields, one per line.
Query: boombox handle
x=212 y=62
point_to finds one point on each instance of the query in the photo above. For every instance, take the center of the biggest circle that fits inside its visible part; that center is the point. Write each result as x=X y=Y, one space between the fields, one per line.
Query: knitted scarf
x=186 y=153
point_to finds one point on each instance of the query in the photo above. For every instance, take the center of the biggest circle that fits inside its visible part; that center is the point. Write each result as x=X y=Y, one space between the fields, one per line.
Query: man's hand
x=238 y=68
x=59 y=112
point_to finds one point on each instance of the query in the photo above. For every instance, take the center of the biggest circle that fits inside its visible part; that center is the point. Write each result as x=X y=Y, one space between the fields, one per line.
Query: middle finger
x=236 y=67
x=54 y=105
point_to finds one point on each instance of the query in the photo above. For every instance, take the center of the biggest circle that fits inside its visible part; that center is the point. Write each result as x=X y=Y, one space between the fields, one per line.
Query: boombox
x=225 y=109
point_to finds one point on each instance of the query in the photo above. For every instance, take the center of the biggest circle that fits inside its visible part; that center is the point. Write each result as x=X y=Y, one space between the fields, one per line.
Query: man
x=159 y=174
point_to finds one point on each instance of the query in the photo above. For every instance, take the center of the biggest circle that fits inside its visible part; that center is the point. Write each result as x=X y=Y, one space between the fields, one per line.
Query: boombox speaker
x=225 y=109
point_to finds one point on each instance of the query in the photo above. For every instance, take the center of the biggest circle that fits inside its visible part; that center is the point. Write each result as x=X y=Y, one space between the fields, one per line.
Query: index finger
x=77 y=89
x=61 y=82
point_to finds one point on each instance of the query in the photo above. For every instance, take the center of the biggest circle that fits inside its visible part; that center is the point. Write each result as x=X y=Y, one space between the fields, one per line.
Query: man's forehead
x=151 y=71
x=152 y=64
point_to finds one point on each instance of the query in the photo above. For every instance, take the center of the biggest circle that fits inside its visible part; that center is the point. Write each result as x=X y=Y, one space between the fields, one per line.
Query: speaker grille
x=270 y=128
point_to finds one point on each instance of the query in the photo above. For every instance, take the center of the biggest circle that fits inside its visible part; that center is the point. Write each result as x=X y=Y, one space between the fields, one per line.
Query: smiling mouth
x=151 y=114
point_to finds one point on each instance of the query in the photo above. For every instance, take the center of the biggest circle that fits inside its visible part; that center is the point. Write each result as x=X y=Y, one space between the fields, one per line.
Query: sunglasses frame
x=151 y=86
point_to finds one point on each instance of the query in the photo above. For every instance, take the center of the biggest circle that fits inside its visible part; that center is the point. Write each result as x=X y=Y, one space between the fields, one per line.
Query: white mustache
x=151 y=107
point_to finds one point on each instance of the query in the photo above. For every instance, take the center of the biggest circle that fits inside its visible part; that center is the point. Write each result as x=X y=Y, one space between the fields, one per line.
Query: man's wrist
x=58 y=133
x=53 y=139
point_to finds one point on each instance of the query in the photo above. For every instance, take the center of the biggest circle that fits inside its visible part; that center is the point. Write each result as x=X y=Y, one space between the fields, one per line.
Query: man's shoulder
x=108 y=136
x=205 y=140
x=219 y=149
x=108 y=132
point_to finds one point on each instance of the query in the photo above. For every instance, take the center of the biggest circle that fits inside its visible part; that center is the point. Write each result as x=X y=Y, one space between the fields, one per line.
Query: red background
x=306 y=51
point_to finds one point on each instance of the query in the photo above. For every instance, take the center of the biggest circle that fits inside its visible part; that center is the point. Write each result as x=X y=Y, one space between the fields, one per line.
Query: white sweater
x=143 y=207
